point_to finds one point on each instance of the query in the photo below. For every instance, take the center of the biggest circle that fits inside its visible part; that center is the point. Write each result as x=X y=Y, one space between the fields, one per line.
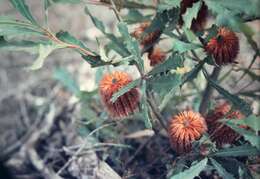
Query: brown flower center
x=186 y=123
x=219 y=39
x=114 y=81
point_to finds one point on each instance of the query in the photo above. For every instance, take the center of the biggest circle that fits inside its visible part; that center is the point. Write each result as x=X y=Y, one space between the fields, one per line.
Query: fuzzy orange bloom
x=156 y=56
x=125 y=104
x=185 y=128
x=147 y=39
x=224 y=47
x=200 y=21
x=219 y=132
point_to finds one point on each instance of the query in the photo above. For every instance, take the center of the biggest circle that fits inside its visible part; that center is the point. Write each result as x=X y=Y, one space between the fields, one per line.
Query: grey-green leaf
x=222 y=171
x=22 y=7
x=240 y=151
x=193 y=171
x=235 y=100
x=125 y=89
x=191 y=13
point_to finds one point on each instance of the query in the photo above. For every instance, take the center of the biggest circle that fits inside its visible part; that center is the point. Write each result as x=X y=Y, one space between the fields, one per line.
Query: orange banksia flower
x=148 y=39
x=185 y=128
x=156 y=56
x=224 y=47
x=125 y=104
x=219 y=132
x=200 y=21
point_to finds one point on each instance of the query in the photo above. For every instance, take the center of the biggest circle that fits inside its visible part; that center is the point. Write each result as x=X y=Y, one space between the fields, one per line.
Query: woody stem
x=156 y=110
x=208 y=91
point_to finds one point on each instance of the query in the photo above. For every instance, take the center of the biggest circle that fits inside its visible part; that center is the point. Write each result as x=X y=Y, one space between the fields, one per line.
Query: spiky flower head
x=200 y=21
x=224 y=46
x=218 y=131
x=125 y=104
x=184 y=128
x=156 y=56
x=148 y=39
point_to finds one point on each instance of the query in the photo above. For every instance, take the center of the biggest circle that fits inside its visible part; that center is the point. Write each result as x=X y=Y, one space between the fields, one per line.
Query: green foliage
x=44 y=52
x=158 y=86
x=220 y=169
x=125 y=89
x=9 y=26
x=193 y=171
x=235 y=100
x=191 y=13
x=23 y=9
x=244 y=150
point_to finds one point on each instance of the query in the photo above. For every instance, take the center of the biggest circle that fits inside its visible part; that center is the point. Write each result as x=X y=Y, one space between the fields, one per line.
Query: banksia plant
x=184 y=128
x=200 y=21
x=218 y=131
x=224 y=47
x=125 y=104
x=156 y=56
x=148 y=39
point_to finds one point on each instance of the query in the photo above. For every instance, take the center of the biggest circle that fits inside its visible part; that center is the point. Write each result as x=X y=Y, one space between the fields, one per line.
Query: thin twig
x=208 y=91
x=82 y=147
x=156 y=111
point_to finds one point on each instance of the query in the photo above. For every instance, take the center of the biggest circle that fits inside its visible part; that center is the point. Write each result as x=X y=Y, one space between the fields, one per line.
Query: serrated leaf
x=44 y=52
x=9 y=26
x=164 y=83
x=222 y=171
x=115 y=42
x=193 y=171
x=235 y=100
x=144 y=107
x=249 y=7
x=191 y=13
x=172 y=62
x=182 y=47
x=21 y=6
x=252 y=121
x=67 y=79
x=131 y=44
x=238 y=151
x=165 y=20
x=248 y=135
x=134 y=16
x=125 y=89
x=169 y=4
x=193 y=73
x=163 y=80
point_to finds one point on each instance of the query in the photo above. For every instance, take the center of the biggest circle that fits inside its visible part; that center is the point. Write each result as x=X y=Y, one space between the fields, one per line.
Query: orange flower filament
x=125 y=104
x=219 y=132
x=185 y=128
x=224 y=47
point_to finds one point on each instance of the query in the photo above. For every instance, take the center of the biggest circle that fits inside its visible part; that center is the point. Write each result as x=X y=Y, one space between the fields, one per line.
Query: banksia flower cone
x=199 y=22
x=185 y=128
x=156 y=56
x=148 y=39
x=224 y=47
x=125 y=104
x=219 y=132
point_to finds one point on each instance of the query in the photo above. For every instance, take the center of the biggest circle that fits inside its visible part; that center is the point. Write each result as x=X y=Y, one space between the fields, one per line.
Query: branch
x=208 y=91
x=156 y=111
